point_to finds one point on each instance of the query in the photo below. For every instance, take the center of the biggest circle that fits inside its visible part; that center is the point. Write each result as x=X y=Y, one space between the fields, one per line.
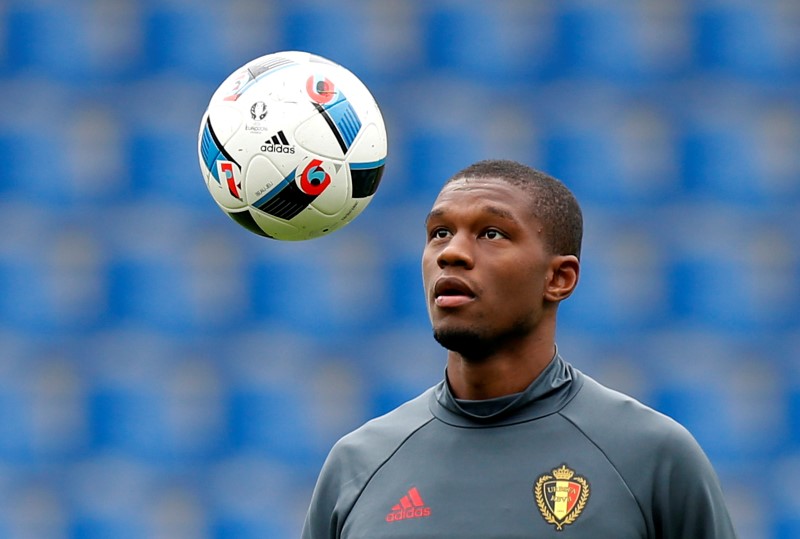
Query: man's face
x=484 y=266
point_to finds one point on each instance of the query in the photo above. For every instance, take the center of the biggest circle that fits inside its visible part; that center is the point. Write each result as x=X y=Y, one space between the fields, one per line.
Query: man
x=514 y=442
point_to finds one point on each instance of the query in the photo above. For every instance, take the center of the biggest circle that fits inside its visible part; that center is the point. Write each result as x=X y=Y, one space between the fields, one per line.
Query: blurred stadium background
x=165 y=374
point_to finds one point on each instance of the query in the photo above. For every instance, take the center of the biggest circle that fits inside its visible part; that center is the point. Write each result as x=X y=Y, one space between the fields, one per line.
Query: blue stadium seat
x=728 y=390
x=623 y=283
x=25 y=301
x=702 y=410
x=411 y=362
x=335 y=31
x=75 y=278
x=241 y=527
x=159 y=127
x=310 y=286
x=34 y=506
x=150 y=276
x=756 y=399
x=108 y=496
x=625 y=42
x=515 y=43
x=776 y=138
x=149 y=292
x=128 y=416
x=752 y=40
x=405 y=286
x=786 y=509
x=81 y=161
x=163 y=164
x=74 y=41
x=718 y=158
x=250 y=496
x=55 y=403
x=105 y=526
x=619 y=360
x=786 y=526
x=741 y=280
x=51 y=278
x=436 y=154
x=24 y=144
x=49 y=38
x=709 y=290
x=191 y=40
x=216 y=260
x=271 y=420
x=93 y=168
x=154 y=398
x=582 y=158
x=793 y=406
x=270 y=412
x=16 y=429
x=611 y=148
x=15 y=146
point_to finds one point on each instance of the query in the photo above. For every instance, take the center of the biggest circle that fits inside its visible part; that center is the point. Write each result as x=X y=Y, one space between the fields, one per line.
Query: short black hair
x=551 y=201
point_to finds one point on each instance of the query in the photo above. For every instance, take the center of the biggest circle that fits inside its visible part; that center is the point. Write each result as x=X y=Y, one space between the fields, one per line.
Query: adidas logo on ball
x=278 y=144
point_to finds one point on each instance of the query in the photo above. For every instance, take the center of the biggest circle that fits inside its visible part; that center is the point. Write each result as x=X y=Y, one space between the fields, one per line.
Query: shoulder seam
x=610 y=462
x=378 y=467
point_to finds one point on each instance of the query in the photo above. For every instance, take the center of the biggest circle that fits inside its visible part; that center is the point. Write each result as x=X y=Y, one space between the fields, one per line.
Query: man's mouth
x=451 y=292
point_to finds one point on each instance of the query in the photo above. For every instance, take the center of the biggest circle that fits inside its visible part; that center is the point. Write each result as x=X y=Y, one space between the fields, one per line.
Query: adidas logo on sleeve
x=410 y=506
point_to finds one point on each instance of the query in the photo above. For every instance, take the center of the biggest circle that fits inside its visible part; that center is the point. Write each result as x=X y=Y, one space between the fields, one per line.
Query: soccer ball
x=292 y=146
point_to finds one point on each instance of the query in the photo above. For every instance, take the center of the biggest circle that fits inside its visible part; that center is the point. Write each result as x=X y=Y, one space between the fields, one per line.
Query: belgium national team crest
x=561 y=496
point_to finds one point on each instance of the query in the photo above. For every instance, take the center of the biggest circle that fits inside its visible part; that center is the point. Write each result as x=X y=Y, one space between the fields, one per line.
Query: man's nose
x=457 y=252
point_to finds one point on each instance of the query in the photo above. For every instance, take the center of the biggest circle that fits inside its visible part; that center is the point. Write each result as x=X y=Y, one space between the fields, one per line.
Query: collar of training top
x=550 y=392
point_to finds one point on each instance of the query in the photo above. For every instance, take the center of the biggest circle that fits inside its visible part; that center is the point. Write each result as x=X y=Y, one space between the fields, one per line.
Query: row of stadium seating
x=170 y=400
x=618 y=147
x=94 y=428
x=624 y=41
x=182 y=271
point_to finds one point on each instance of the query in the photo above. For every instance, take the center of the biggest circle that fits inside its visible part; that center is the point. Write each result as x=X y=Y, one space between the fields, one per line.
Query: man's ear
x=562 y=278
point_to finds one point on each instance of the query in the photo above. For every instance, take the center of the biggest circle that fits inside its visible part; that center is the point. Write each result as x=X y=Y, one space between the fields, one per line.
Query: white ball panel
x=370 y=145
x=262 y=176
x=335 y=196
x=315 y=136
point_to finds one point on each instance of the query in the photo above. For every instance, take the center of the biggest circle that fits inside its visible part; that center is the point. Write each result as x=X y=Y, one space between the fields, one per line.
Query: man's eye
x=440 y=233
x=493 y=234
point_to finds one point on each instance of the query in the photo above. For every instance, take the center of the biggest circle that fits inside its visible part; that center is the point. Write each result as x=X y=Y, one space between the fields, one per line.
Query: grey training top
x=566 y=458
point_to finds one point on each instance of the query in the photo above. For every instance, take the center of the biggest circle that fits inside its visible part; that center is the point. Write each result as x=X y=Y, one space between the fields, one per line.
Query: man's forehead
x=487 y=195
x=487 y=207
x=486 y=187
x=490 y=188
x=468 y=183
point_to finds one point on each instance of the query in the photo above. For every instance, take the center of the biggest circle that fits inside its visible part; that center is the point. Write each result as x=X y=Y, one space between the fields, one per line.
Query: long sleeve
x=688 y=499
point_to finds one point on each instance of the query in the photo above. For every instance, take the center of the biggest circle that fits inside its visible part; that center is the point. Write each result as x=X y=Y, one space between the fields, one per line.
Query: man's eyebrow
x=494 y=210
x=500 y=212
x=433 y=213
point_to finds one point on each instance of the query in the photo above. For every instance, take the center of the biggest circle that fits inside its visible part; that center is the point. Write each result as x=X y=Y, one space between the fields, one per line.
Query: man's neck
x=505 y=372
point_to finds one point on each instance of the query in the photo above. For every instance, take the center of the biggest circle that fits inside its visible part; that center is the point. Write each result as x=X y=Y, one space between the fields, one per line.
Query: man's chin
x=468 y=343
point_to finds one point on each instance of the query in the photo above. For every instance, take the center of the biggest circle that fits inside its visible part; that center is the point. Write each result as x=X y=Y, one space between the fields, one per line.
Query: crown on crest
x=563 y=473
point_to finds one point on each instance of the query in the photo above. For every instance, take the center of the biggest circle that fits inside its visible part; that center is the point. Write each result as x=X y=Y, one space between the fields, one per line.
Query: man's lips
x=451 y=292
